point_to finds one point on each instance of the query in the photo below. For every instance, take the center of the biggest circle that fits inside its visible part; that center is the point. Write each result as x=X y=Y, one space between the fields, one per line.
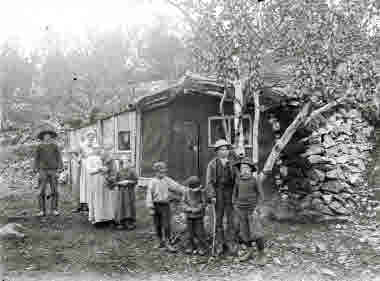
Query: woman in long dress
x=100 y=199
x=85 y=151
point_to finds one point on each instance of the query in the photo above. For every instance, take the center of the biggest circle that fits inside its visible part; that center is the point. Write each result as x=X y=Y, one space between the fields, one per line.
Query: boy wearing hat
x=220 y=181
x=194 y=201
x=48 y=162
x=246 y=195
x=157 y=201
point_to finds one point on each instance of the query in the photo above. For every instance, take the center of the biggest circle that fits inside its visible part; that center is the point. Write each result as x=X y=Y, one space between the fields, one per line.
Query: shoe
x=120 y=227
x=55 y=213
x=246 y=256
x=188 y=251
x=261 y=259
x=41 y=214
x=202 y=252
x=131 y=226
x=77 y=210
x=170 y=248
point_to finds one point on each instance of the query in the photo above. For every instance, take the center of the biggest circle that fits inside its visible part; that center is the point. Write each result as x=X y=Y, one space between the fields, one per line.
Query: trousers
x=195 y=230
x=161 y=219
x=48 y=176
x=243 y=214
x=224 y=208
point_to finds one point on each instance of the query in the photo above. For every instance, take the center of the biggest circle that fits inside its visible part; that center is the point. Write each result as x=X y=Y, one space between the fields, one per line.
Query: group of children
x=231 y=189
x=109 y=193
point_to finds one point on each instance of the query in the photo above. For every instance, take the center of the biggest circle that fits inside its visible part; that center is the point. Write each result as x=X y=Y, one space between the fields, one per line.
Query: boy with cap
x=48 y=162
x=194 y=201
x=157 y=201
x=220 y=182
x=246 y=195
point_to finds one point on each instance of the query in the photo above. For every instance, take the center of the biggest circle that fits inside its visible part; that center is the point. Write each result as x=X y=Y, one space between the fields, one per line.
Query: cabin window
x=216 y=130
x=124 y=131
x=124 y=140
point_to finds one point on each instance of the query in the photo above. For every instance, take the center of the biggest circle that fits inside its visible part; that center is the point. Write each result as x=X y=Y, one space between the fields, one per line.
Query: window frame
x=230 y=118
x=117 y=131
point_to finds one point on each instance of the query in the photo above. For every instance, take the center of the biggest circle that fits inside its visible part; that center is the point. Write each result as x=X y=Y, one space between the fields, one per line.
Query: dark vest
x=224 y=175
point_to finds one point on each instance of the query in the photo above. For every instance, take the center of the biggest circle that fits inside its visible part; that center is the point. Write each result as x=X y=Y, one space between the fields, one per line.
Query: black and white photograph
x=191 y=140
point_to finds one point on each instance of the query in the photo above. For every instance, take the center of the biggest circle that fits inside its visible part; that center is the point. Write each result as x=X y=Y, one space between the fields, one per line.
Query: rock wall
x=334 y=173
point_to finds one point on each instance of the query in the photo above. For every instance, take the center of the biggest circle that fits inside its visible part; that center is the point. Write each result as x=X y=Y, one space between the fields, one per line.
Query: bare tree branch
x=283 y=141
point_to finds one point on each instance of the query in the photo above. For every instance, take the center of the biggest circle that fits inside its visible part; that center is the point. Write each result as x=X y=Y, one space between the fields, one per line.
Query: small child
x=126 y=181
x=157 y=200
x=245 y=198
x=194 y=200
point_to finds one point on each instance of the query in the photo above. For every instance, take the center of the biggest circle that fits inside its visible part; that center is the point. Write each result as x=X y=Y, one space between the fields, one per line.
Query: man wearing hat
x=48 y=162
x=245 y=197
x=220 y=181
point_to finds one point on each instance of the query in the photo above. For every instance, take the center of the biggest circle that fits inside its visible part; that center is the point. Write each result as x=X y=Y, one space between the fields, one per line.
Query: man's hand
x=152 y=212
x=213 y=201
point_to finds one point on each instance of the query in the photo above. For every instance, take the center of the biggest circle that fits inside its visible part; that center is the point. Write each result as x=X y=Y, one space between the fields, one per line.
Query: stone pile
x=337 y=156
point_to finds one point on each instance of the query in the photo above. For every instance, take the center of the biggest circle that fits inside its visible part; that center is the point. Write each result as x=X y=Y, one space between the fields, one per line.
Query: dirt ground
x=68 y=247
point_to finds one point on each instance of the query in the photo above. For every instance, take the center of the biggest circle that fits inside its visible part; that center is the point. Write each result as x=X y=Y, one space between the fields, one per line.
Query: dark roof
x=156 y=92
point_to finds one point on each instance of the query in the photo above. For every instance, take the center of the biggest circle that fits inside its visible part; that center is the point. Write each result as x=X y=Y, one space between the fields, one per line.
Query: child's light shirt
x=159 y=190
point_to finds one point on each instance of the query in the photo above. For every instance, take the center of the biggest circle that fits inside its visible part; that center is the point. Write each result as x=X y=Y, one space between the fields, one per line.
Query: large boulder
x=12 y=230
x=334 y=186
x=338 y=208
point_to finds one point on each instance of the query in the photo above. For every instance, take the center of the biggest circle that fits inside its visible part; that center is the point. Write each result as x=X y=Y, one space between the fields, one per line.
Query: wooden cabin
x=178 y=124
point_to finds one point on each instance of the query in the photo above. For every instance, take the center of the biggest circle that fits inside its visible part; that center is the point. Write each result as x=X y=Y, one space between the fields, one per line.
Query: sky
x=26 y=22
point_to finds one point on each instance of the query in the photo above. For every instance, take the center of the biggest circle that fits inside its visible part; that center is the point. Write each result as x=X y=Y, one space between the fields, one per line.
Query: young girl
x=125 y=209
x=157 y=200
x=245 y=198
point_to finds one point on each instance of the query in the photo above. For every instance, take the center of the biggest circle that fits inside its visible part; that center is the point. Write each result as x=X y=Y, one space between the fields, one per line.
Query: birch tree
x=320 y=53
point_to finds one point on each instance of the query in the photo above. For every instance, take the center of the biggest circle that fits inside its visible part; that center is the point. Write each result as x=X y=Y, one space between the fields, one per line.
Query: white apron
x=100 y=198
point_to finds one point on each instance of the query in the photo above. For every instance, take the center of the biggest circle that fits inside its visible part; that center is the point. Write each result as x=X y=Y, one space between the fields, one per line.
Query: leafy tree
x=318 y=52
x=16 y=78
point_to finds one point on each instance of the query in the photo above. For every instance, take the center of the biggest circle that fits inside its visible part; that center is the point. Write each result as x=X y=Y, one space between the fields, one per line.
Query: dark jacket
x=219 y=176
x=194 y=201
x=246 y=192
x=48 y=156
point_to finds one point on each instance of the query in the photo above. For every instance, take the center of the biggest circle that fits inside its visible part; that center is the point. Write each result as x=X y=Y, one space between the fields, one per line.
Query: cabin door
x=186 y=149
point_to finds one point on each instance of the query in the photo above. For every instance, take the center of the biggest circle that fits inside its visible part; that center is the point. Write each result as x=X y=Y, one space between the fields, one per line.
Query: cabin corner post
x=138 y=141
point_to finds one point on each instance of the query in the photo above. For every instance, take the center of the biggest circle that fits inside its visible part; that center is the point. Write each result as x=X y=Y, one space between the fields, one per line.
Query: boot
x=42 y=205
x=261 y=258
x=54 y=202
x=170 y=248
x=247 y=256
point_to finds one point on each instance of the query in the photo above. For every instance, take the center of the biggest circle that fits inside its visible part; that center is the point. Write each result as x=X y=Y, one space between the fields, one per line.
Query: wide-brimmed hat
x=192 y=182
x=91 y=132
x=160 y=167
x=220 y=143
x=247 y=161
x=43 y=130
x=73 y=150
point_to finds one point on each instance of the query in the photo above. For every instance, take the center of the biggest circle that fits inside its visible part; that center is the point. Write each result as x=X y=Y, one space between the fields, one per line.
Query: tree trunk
x=255 y=133
x=283 y=141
